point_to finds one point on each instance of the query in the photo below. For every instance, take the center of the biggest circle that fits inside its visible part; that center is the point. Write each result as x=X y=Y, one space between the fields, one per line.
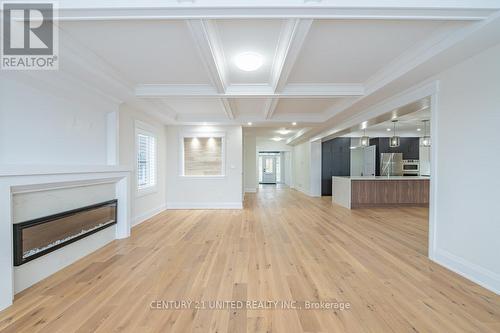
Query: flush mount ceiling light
x=249 y=123
x=248 y=61
x=294 y=124
x=395 y=140
x=277 y=138
x=388 y=130
x=283 y=131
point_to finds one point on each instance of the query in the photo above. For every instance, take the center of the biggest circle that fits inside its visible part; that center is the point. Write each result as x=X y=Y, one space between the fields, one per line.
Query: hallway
x=283 y=246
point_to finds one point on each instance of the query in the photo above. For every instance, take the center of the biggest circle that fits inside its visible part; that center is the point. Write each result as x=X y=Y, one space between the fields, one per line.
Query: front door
x=269 y=169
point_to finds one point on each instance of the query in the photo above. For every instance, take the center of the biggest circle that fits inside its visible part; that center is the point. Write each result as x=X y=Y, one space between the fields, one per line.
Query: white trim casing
x=191 y=134
x=145 y=129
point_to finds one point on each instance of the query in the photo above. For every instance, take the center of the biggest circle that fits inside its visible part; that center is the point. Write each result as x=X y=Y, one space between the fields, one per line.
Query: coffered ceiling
x=176 y=60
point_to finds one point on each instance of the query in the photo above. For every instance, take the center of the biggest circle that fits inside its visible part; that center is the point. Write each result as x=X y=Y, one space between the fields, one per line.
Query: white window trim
x=146 y=129
x=183 y=135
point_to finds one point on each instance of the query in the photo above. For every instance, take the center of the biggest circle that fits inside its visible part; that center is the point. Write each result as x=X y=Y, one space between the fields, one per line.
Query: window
x=203 y=156
x=146 y=160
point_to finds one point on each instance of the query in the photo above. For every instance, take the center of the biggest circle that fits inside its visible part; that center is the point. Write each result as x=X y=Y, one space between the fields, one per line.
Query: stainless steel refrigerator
x=391 y=164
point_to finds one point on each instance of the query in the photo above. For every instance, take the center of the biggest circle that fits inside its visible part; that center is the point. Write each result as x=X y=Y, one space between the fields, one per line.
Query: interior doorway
x=270 y=168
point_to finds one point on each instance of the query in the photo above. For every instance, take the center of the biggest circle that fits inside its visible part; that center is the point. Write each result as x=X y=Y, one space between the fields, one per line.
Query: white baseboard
x=250 y=190
x=480 y=275
x=204 y=205
x=147 y=215
x=302 y=190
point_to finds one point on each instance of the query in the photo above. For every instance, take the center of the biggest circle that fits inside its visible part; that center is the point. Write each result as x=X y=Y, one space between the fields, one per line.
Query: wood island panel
x=389 y=192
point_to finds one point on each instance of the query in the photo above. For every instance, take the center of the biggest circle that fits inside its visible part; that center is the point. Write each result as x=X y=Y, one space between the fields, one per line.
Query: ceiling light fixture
x=283 y=131
x=388 y=130
x=294 y=124
x=277 y=138
x=395 y=140
x=249 y=123
x=248 y=61
x=419 y=129
x=365 y=140
x=426 y=139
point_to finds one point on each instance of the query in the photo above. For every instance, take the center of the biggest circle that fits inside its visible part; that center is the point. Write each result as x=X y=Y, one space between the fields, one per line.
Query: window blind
x=146 y=161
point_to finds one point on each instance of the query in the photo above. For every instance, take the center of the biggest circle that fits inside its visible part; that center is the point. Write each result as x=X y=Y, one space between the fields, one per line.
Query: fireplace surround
x=35 y=238
x=26 y=181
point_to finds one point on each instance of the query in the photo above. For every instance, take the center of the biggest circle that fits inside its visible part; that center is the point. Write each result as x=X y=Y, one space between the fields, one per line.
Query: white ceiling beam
x=292 y=38
x=258 y=91
x=208 y=44
x=270 y=106
x=290 y=44
x=228 y=106
x=72 y=10
x=212 y=54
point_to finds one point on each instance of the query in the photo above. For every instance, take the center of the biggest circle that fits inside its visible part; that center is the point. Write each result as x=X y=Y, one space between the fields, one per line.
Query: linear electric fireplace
x=38 y=237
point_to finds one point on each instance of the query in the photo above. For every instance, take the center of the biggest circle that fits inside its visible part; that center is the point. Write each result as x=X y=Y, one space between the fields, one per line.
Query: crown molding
x=72 y=10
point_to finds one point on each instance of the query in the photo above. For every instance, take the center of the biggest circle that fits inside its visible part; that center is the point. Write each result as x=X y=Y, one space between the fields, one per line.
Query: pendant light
x=426 y=139
x=395 y=140
x=365 y=140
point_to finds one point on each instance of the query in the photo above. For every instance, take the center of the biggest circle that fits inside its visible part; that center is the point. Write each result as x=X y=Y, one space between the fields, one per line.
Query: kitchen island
x=358 y=192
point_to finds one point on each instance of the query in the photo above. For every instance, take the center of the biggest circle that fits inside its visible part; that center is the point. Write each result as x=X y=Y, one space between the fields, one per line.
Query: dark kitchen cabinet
x=409 y=146
x=335 y=161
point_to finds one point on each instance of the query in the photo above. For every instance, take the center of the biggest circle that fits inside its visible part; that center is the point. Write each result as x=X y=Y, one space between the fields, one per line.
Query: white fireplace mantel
x=17 y=179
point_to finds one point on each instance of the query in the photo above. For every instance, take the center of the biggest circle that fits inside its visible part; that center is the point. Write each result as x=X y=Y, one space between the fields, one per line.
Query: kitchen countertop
x=384 y=177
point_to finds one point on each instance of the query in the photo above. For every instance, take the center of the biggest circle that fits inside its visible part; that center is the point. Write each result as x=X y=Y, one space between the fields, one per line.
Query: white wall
x=315 y=169
x=265 y=144
x=205 y=192
x=288 y=168
x=466 y=217
x=143 y=206
x=301 y=167
x=42 y=127
x=250 y=163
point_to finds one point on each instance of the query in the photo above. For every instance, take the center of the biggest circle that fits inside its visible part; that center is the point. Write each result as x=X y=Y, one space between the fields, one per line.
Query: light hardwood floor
x=282 y=246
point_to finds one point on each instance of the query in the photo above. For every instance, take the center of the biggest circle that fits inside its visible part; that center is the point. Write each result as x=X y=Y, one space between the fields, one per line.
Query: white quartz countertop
x=384 y=177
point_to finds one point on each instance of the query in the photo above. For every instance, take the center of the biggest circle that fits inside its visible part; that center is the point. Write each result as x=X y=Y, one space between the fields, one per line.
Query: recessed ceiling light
x=283 y=131
x=388 y=130
x=249 y=123
x=294 y=124
x=248 y=61
x=277 y=138
x=419 y=129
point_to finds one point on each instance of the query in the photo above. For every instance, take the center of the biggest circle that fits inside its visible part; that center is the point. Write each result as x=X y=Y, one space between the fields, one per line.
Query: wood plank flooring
x=284 y=246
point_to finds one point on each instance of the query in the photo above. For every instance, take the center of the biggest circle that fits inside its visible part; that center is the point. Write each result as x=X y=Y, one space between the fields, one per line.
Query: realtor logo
x=29 y=37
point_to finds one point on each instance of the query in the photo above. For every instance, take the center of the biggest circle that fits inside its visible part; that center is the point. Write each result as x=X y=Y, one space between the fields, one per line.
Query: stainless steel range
x=411 y=167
